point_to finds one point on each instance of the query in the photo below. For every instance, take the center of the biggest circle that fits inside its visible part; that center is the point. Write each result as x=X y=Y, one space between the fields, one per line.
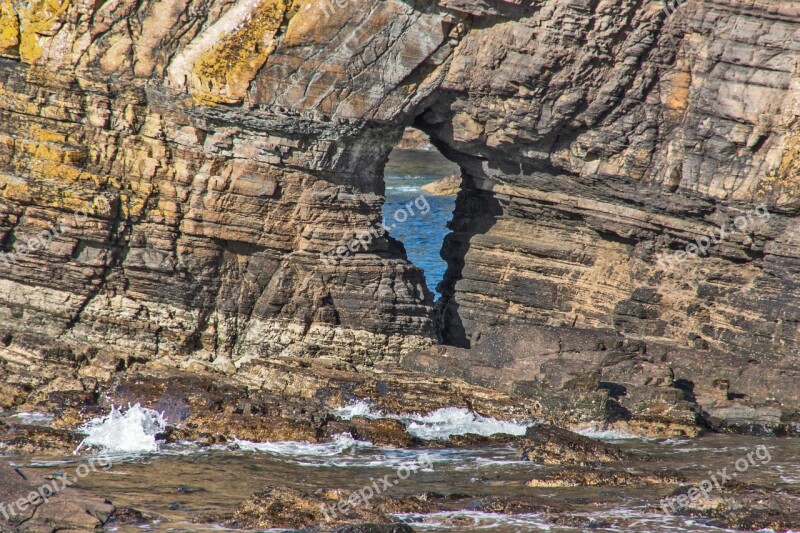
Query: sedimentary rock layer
x=603 y=139
x=218 y=148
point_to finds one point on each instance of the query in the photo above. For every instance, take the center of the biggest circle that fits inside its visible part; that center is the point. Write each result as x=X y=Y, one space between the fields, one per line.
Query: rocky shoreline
x=623 y=256
x=288 y=399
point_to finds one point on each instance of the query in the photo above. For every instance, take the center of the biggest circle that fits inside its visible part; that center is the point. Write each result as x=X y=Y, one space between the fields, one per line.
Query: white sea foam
x=440 y=424
x=471 y=520
x=343 y=452
x=36 y=419
x=674 y=442
x=443 y=423
x=339 y=445
x=359 y=408
x=133 y=431
x=624 y=520
x=404 y=188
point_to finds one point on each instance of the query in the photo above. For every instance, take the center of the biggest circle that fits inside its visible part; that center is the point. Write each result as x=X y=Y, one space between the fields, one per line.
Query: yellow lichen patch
x=52 y=152
x=790 y=164
x=39 y=19
x=46 y=136
x=66 y=173
x=223 y=73
x=786 y=180
x=9 y=30
x=14 y=189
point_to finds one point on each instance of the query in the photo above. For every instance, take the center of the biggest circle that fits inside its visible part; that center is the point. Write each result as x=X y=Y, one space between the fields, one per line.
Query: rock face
x=185 y=163
x=647 y=388
x=606 y=137
x=33 y=503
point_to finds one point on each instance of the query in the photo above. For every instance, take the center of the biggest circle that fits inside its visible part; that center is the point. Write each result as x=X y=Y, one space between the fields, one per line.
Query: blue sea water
x=422 y=234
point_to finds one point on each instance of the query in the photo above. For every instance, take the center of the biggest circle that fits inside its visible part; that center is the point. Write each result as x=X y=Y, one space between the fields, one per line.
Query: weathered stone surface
x=28 y=439
x=276 y=507
x=414 y=139
x=293 y=508
x=649 y=388
x=68 y=509
x=555 y=446
x=745 y=507
x=606 y=477
x=281 y=400
x=213 y=150
x=382 y=431
x=591 y=149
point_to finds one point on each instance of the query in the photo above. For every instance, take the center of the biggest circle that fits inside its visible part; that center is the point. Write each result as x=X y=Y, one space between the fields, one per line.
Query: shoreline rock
x=602 y=378
x=448 y=186
x=68 y=509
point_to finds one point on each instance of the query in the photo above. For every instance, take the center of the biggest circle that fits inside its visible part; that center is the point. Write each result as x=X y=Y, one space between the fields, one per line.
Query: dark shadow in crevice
x=475 y=214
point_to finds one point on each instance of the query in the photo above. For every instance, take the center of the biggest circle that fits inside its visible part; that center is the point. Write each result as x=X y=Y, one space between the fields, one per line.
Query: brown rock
x=28 y=439
x=284 y=507
x=382 y=431
x=292 y=508
x=186 y=212
x=582 y=477
x=555 y=446
x=67 y=509
x=745 y=507
x=448 y=186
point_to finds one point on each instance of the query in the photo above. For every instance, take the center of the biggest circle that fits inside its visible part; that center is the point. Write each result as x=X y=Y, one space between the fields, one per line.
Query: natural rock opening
x=421 y=186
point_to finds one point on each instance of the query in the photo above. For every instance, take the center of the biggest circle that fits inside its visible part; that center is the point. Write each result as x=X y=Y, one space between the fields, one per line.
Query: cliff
x=185 y=163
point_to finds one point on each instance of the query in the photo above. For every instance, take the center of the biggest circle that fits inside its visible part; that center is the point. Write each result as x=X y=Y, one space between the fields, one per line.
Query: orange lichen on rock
x=785 y=181
x=9 y=30
x=40 y=18
x=223 y=73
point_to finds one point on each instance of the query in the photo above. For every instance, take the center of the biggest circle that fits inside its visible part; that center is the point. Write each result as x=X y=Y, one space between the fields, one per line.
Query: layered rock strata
x=232 y=143
x=646 y=388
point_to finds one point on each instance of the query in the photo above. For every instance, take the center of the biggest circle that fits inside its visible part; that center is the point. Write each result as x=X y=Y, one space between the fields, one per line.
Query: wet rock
x=382 y=431
x=471 y=440
x=376 y=528
x=551 y=445
x=282 y=400
x=512 y=505
x=128 y=516
x=289 y=508
x=743 y=507
x=606 y=477
x=32 y=439
x=326 y=510
x=67 y=509
x=388 y=388
x=648 y=388
x=214 y=408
